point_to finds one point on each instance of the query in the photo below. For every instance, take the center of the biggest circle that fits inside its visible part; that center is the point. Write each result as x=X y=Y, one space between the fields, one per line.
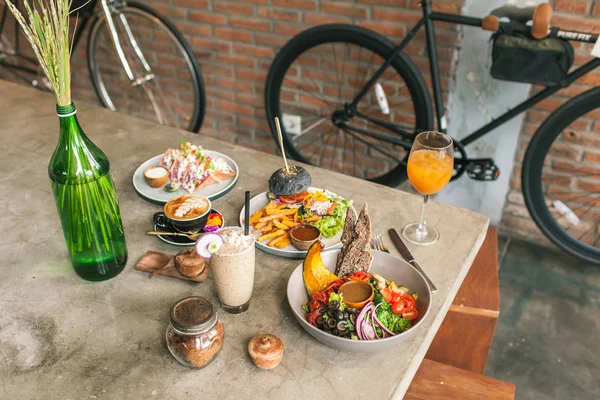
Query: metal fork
x=377 y=243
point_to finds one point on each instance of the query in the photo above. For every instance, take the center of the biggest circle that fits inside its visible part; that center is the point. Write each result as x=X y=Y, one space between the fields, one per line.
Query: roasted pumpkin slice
x=316 y=276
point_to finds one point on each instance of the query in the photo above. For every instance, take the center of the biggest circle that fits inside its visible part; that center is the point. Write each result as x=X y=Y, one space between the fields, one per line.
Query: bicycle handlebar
x=540 y=28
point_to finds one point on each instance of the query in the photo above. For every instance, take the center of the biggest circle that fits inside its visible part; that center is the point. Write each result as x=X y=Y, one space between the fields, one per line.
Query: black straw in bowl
x=247 y=214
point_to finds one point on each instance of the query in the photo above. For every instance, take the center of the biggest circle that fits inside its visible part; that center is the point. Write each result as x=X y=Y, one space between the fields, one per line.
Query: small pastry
x=266 y=351
x=156 y=176
x=189 y=263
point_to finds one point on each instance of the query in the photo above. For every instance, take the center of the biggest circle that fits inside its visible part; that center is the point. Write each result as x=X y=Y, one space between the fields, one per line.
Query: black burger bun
x=283 y=183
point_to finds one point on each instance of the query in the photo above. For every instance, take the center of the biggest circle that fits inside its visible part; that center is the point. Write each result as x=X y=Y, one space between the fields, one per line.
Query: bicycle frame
x=429 y=16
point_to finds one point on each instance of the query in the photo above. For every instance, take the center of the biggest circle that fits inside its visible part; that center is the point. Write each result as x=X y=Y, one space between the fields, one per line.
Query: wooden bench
x=437 y=381
x=458 y=354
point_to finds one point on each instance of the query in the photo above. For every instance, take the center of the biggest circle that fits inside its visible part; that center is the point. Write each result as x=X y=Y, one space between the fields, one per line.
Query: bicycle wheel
x=561 y=177
x=311 y=85
x=167 y=86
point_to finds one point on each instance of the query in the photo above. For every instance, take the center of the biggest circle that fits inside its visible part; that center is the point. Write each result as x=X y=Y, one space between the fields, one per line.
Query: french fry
x=278 y=239
x=289 y=211
x=295 y=219
x=271 y=205
x=314 y=218
x=271 y=235
x=271 y=208
x=283 y=243
x=262 y=230
x=256 y=216
x=260 y=225
x=289 y=224
x=271 y=217
x=281 y=225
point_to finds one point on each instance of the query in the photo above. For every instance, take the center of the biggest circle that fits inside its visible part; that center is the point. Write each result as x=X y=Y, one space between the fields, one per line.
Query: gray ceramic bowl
x=384 y=264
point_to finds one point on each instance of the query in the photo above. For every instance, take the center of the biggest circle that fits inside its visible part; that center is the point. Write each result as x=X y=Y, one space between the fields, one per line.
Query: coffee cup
x=185 y=213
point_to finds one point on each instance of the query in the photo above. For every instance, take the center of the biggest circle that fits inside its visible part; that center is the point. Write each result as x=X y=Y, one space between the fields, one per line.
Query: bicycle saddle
x=514 y=13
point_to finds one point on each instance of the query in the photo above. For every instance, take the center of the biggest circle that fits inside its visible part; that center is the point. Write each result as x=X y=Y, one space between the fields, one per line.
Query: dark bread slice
x=347 y=237
x=356 y=256
x=348 y=234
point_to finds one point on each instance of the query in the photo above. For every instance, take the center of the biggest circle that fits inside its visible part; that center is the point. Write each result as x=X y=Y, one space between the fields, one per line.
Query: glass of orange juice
x=430 y=166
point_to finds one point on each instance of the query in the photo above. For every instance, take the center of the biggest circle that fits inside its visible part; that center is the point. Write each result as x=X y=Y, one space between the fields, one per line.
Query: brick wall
x=580 y=15
x=235 y=42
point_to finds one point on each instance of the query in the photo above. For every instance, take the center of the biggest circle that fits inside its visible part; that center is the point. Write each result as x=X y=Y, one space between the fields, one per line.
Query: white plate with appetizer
x=184 y=170
x=292 y=215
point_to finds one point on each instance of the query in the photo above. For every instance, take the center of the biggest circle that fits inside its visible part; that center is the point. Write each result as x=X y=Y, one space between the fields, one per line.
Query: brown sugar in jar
x=195 y=334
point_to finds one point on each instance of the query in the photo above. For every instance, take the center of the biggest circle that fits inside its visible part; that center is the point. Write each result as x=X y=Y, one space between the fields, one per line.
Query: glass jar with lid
x=195 y=334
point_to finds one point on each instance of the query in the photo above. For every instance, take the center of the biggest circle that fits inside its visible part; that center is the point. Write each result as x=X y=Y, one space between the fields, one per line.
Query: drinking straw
x=247 y=214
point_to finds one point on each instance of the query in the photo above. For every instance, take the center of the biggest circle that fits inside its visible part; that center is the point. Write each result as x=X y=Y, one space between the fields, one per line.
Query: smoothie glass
x=233 y=269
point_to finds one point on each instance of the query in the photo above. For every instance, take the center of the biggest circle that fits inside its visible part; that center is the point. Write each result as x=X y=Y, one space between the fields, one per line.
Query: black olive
x=334 y=332
x=351 y=310
x=320 y=320
x=346 y=315
x=339 y=315
x=331 y=323
x=353 y=319
x=333 y=305
x=322 y=310
x=341 y=326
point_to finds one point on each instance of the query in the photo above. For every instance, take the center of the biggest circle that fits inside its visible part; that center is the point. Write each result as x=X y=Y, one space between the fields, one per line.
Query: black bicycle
x=139 y=63
x=353 y=101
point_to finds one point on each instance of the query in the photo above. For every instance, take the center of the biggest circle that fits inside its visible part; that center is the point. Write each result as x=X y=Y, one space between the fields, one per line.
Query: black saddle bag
x=540 y=62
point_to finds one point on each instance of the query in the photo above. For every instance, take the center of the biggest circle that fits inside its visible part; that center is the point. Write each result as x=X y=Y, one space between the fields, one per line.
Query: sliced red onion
x=369 y=332
x=208 y=244
x=358 y=327
x=360 y=323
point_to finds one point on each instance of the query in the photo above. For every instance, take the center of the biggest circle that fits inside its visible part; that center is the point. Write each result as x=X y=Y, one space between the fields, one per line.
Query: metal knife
x=409 y=257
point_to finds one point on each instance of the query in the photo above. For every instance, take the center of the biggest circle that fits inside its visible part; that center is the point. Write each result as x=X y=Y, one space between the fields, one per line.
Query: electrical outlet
x=292 y=124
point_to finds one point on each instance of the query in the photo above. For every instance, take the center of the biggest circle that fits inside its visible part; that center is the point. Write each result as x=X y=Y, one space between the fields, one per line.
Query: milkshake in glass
x=233 y=269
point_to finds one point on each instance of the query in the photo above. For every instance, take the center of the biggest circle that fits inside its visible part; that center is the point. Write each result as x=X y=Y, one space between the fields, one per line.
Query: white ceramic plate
x=159 y=196
x=259 y=202
x=386 y=265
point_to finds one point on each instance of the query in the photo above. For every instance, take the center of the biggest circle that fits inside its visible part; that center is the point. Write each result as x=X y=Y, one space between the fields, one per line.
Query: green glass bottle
x=87 y=202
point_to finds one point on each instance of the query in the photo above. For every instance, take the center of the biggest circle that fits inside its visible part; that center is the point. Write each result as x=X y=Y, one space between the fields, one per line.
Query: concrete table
x=65 y=338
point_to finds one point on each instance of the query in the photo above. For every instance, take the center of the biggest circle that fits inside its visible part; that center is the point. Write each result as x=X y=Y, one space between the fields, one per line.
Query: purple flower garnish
x=211 y=228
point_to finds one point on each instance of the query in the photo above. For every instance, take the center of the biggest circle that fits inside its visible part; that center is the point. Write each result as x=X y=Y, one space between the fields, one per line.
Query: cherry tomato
x=387 y=295
x=410 y=313
x=358 y=276
x=409 y=301
x=396 y=297
x=398 y=307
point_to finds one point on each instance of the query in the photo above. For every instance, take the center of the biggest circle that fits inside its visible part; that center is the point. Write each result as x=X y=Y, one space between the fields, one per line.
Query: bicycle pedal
x=483 y=170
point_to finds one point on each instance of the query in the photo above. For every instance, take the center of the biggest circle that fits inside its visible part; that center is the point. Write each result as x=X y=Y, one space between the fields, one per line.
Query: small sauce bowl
x=303 y=236
x=356 y=293
x=156 y=176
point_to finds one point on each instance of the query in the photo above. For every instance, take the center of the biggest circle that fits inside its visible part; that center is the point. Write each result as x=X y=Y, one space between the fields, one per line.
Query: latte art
x=186 y=207
x=189 y=205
